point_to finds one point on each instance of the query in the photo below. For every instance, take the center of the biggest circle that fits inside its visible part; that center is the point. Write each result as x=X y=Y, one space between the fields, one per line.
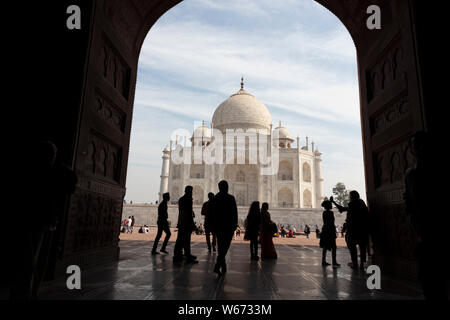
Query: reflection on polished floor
x=297 y=274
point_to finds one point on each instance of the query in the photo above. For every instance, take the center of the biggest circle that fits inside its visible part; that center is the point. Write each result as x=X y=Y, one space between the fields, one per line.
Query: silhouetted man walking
x=163 y=224
x=224 y=216
x=185 y=227
x=357 y=222
x=206 y=208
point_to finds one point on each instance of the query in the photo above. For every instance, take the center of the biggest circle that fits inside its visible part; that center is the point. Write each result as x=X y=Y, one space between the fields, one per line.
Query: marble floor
x=296 y=274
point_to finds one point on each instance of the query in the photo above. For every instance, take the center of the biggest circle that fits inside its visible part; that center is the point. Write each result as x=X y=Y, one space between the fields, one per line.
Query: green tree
x=342 y=196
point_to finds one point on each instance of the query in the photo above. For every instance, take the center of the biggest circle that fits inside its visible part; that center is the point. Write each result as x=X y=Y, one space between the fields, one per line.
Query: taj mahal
x=296 y=181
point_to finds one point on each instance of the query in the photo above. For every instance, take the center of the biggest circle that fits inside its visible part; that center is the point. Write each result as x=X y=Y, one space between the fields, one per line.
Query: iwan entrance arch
x=101 y=78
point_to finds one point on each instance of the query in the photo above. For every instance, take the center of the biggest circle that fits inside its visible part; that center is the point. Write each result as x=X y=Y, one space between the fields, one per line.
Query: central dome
x=241 y=111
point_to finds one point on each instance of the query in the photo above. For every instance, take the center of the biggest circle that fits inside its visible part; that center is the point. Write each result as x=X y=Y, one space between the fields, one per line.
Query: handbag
x=273 y=227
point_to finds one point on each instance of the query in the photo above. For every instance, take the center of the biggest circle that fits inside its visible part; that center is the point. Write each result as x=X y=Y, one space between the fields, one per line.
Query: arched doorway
x=285 y=198
x=197 y=171
x=285 y=171
x=198 y=195
x=306 y=172
x=390 y=98
x=307 y=199
x=175 y=194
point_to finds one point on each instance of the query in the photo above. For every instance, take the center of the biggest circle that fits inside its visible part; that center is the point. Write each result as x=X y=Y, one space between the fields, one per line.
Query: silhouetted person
x=317 y=232
x=267 y=230
x=206 y=209
x=307 y=231
x=357 y=223
x=282 y=232
x=129 y=222
x=200 y=229
x=422 y=208
x=185 y=227
x=252 y=224
x=133 y=220
x=224 y=216
x=51 y=182
x=328 y=234
x=163 y=225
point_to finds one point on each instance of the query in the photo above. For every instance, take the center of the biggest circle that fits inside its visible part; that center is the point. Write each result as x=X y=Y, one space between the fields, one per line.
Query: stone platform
x=296 y=274
x=298 y=217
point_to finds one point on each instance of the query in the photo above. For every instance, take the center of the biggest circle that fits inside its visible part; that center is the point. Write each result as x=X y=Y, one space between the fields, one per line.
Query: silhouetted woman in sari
x=268 y=228
x=252 y=225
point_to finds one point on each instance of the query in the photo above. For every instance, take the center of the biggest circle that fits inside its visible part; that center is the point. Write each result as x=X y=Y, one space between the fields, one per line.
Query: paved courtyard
x=300 y=239
x=296 y=274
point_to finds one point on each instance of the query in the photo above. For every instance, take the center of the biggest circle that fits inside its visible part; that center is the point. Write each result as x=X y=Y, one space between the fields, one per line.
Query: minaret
x=307 y=143
x=164 y=186
x=318 y=177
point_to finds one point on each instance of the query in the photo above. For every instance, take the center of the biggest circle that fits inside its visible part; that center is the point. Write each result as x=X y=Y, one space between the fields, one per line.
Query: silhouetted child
x=328 y=235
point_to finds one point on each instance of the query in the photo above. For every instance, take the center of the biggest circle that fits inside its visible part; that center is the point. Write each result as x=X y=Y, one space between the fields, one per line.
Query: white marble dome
x=242 y=110
x=202 y=134
x=202 y=131
x=283 y=133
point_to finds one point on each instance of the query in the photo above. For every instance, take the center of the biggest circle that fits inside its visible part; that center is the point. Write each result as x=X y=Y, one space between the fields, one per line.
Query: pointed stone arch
x=175 y=194
x=285 y=170
x=240 y=176
x=306 y=172
x=285 y=198
x=198 y=195
x=197 y=171
x=307 y=199
x=110 y=46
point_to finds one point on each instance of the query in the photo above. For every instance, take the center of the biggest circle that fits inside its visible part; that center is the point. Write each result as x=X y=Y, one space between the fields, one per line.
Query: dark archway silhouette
x=100 y=74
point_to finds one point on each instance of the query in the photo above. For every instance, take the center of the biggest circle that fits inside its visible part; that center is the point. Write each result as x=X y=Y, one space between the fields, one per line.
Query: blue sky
x=296 y=57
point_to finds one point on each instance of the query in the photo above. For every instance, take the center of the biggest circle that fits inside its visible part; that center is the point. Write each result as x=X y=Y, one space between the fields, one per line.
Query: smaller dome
x=283 y=133
x=202 y=133
x=317 y=152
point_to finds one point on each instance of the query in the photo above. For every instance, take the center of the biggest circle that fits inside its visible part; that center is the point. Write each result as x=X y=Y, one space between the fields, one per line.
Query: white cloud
x=206 y=57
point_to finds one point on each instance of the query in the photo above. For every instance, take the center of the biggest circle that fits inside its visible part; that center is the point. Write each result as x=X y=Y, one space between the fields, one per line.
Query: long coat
x=223 y=213
x=185 y=213
x=206 y=209
x=357 y=221
x=162 y=214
